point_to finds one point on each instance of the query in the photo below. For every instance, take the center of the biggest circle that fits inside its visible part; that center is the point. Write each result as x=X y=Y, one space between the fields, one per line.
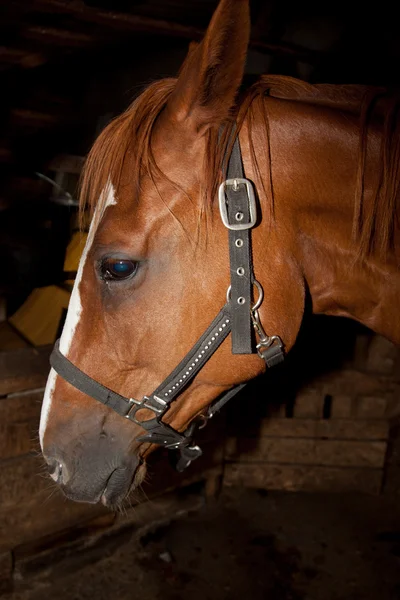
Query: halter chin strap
x=238 y=316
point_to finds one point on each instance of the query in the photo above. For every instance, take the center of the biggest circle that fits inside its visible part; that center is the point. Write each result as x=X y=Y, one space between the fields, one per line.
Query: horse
x=315 y=169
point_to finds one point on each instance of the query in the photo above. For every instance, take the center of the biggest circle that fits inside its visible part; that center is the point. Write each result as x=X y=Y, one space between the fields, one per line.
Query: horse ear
x=213 y=70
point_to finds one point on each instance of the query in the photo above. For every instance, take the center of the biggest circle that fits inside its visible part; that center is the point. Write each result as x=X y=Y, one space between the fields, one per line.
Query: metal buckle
x=223 y=204
x=155 y=404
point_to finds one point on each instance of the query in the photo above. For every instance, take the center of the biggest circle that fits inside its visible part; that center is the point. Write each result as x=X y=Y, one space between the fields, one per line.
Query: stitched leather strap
x=161 y=398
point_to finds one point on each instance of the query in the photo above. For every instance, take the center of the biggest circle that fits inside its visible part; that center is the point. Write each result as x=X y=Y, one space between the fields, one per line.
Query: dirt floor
x=248 y=544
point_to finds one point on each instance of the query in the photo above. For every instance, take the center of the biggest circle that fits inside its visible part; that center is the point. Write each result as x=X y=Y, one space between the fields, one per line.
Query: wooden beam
x=300 y=451
x=59 y=37
x=137 y=23
x=316 y=429
x=11 y=54
x=115 y=20
x=33 y=117
x=23 y=58
x=308 y=478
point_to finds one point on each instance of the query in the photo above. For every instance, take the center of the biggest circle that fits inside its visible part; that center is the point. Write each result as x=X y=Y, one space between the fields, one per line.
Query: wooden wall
x=332 y=435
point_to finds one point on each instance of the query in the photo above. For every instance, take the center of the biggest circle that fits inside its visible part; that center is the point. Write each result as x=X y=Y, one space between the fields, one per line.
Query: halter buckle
x=223 y=209
x=157 y=405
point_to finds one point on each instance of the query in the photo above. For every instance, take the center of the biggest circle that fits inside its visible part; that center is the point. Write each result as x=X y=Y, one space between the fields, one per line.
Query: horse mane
x=131 y=132
x=373 y=220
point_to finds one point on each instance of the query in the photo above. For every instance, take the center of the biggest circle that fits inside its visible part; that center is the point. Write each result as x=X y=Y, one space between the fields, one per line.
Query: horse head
x=155 y=270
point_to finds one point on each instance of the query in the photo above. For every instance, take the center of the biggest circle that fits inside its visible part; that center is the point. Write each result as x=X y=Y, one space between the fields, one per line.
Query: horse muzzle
x=95 y=474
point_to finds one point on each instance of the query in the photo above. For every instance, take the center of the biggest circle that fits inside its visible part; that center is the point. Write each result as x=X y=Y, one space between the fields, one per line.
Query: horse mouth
x=121 y=481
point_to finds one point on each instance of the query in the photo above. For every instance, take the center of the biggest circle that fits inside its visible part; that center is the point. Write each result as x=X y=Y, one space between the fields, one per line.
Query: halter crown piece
x=238 y=209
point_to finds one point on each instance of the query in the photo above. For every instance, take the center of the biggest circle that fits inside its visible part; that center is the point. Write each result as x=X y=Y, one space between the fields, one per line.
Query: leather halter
x=238 y=316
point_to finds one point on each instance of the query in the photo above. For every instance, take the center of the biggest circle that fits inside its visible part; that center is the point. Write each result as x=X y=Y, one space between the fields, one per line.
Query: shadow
x=324 y=345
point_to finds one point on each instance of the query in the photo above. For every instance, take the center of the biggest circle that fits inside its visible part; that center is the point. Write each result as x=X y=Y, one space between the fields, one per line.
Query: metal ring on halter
x=259 y=299
x=261 y=295
x=202 y=421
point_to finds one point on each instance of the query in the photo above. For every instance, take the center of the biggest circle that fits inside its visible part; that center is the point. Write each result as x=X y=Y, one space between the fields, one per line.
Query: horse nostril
x=55 y=469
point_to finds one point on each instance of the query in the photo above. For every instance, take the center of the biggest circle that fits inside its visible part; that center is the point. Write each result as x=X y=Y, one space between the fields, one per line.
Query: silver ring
x=261 y=295
x=259 y=299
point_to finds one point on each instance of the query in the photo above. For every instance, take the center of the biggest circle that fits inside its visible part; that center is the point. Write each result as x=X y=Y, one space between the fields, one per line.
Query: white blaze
x=107 y=198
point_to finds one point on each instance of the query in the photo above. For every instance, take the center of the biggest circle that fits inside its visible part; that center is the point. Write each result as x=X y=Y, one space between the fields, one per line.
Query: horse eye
x=118 y=269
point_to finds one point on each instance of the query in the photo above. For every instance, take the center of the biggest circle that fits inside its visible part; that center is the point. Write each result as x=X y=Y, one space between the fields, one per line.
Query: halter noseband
x=238 y=316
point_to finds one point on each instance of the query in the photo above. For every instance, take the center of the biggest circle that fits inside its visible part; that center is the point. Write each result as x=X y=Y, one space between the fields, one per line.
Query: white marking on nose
x=48 y=395
x=107 y=198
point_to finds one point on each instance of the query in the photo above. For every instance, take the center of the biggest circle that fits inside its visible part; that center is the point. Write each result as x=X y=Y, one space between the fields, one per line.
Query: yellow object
x=74 y=251
x=38 y=319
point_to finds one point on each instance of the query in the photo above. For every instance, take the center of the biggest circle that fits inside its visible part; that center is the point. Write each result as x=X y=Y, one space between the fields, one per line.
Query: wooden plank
x=301 y=478
x=346 y=429
x=58 y=37
x=25 y=523
x=21 y=407
x=33 y=117
x=383 y=356
x=22 y=57
x=137 y=23
x=53 y=541
x=16 y=439
x=342 y=407
x=350 y=382
x=309 y=403
x=10 y=339
x=32 y=506
x=23 y=369
x=374 y=406
x=6 y=567
x=371 y=407
x=21 y=481
x=341 y=453
x=19 y=423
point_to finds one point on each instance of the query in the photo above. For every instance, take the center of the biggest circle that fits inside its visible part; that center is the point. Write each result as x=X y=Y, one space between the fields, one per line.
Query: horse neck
x=314 y=154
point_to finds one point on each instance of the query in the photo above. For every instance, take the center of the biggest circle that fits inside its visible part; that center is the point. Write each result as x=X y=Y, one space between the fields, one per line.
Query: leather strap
x=158 y=402
x=86 y=384
x=238 y=213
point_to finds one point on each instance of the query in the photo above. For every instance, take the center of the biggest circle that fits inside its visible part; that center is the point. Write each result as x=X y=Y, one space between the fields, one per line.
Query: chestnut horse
x=154 y=273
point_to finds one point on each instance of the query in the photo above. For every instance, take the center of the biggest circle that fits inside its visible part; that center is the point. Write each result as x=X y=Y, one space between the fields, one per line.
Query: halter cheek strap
x=238 y=316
